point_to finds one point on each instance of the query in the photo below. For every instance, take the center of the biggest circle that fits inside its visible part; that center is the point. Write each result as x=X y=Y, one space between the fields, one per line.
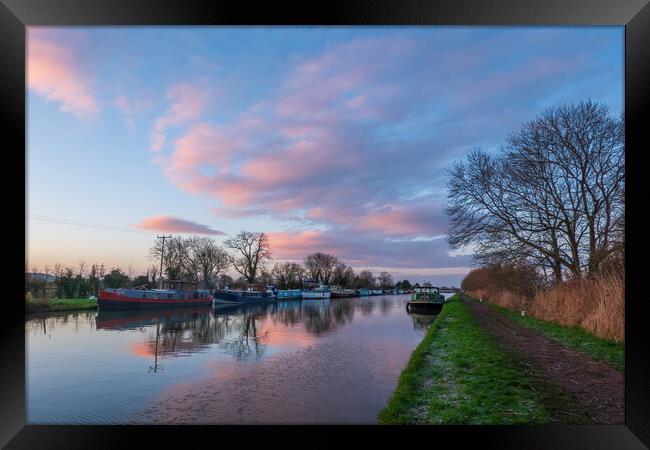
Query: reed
x=595 y=305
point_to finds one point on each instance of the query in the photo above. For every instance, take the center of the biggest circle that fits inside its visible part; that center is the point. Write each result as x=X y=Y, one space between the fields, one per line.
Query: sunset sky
x=331 y=139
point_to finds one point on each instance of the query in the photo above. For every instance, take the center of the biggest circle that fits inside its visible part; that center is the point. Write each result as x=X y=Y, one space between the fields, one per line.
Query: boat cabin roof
x=419 y=288
x=180 y=285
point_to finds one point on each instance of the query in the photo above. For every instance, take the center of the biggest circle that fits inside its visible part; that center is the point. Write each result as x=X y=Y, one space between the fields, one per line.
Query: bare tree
x=209 y=258
x=46 y=286
x=320 y=266
x=82 y=269
x=152 y=273
x=366 y=279
x=553 y=198
x=177 y=263
x=288 y=275
x=343 y=275
x=385 y=280
x=252 y=251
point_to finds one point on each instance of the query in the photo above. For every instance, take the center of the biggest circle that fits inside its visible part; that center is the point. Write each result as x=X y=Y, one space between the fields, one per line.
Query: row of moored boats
x=185 y=293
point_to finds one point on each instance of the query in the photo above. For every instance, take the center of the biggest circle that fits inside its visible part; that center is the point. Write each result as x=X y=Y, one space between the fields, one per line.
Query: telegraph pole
x=162 y=257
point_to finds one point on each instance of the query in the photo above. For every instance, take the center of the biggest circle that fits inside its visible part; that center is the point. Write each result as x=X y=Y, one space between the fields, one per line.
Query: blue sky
x=328 y=138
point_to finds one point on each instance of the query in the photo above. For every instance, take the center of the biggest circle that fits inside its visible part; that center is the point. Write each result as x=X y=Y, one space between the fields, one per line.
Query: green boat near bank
x=425 y=299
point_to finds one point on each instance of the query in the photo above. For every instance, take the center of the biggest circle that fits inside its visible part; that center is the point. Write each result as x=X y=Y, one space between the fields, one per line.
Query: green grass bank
x=59 y=304
x=610 y=352
x=458 y=376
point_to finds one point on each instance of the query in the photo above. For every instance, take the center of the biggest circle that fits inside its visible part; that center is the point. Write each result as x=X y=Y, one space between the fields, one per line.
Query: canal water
x=311 y=361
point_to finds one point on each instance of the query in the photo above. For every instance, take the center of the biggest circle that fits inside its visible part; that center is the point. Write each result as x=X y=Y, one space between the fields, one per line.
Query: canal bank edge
x=458 y=375
x=74 y=304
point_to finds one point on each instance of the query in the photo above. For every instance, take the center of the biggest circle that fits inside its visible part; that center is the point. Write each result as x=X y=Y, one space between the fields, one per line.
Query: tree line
x=549 y=203
x=61 y=281
x=202 y=260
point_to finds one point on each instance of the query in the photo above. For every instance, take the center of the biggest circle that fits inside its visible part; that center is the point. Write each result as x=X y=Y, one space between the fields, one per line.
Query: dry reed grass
x=597 y=305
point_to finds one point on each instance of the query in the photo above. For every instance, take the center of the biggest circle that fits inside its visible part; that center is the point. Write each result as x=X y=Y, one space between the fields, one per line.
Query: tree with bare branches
x=288 y=275
x=209 y=258
x=252 y=250
x=319 y=266
x=553 y=198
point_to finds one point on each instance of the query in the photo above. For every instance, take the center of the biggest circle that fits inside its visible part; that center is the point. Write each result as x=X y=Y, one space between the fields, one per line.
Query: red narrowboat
x=176 y=293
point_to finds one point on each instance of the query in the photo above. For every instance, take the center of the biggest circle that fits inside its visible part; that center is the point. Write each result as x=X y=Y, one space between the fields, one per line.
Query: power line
x=81 y=223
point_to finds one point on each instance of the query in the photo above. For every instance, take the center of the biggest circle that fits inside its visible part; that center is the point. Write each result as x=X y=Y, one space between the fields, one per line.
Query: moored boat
x=363 y=292
x=252 y=294
x=320 y=292
x=425 y=299
x=289 y=294
x=376 y=291
x=177 y=293
x=337 y=292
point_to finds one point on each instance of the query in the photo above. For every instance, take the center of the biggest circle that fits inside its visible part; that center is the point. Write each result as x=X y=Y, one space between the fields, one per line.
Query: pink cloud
x=54 y=72
x=188 y=101
x=132 y=107
x=345 y=142
x=367 y=250
x=418 y=219
x=297 y=245
x=168 y=224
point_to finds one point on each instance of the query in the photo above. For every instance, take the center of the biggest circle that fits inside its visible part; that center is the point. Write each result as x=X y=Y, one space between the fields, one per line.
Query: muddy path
x=597 y=387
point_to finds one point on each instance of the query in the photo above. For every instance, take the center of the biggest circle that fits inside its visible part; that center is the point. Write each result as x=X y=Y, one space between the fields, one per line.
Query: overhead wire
x=81 y=223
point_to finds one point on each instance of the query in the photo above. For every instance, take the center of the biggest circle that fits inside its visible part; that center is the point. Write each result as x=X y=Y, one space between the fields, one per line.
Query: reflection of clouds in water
x=242 y=330
x=294 y=361
x=344 y=384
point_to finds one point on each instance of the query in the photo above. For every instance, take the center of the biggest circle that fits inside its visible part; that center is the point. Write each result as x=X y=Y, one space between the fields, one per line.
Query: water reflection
x=167 y=332
x=102 y=367
x=385 y=305
x=48 y=322
x=422 y=321
x=249 y=340
x=238 y=329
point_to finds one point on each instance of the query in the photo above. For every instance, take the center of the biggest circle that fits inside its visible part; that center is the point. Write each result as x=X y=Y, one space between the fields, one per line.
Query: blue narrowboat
x=252 y=294
x=289 y=294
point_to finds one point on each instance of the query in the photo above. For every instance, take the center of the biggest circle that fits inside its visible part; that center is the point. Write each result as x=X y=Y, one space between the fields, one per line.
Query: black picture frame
x=15 y=15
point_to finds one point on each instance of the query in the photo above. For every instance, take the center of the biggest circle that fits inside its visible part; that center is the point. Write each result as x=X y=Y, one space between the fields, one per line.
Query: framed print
x=351 y=217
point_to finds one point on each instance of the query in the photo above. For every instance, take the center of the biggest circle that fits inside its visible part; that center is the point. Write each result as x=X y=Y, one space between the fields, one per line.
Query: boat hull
x=424 y=307
x=313 y=295
x=237 y=297
x=113 y=301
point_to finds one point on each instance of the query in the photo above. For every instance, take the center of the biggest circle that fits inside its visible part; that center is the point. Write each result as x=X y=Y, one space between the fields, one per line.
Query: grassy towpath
x=481 y=365
x=597 y=387
x=610 y=352
x=459 y=375
x=63 y=304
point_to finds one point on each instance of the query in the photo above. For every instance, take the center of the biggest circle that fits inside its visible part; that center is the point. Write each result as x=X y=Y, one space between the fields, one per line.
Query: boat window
x=169 y=295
